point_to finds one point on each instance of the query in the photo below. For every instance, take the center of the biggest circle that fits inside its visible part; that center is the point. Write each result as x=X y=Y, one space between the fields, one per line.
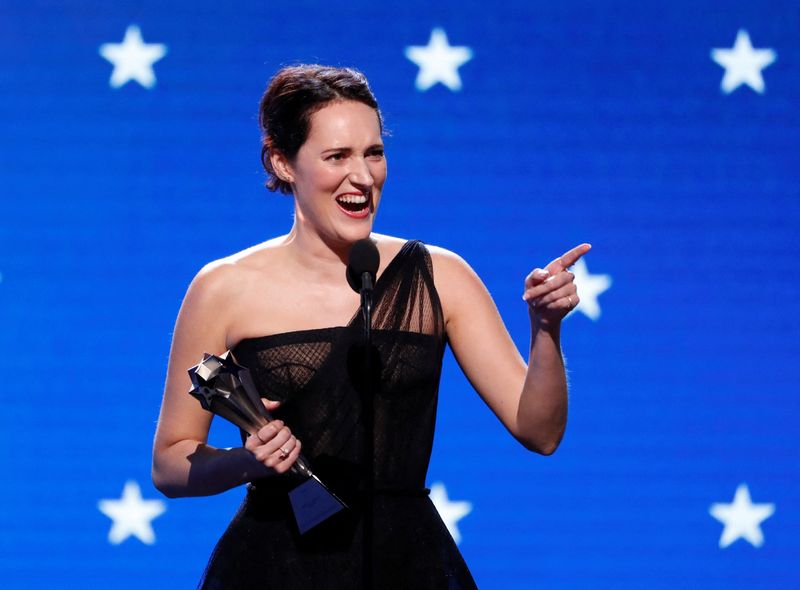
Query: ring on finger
x=284 y=454
x=569 y=298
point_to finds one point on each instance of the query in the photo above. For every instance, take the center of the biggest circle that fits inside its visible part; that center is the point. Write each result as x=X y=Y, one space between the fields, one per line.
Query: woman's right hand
x=274 y=445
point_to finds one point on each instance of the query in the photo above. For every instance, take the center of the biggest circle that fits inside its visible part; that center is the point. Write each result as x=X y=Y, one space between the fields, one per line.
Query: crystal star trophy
x=226 y=389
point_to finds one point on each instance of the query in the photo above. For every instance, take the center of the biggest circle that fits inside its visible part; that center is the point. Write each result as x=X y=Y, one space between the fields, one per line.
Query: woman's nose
x=360 y=173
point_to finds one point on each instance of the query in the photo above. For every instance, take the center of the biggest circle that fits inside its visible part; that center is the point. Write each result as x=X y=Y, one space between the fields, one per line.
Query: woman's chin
x=345 y=237
x=352 y=232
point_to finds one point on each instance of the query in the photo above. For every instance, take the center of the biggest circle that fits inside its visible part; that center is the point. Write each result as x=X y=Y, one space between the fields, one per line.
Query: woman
x=285 y=310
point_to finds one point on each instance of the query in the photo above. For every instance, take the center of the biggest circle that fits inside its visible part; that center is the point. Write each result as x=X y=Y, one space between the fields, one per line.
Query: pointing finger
x=569 y=258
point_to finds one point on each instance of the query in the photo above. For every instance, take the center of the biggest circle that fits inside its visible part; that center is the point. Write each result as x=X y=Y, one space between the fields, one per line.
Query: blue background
x=577 y=121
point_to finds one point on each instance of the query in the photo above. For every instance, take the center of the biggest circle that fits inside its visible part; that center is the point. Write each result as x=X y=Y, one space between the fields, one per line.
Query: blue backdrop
x=666 y=134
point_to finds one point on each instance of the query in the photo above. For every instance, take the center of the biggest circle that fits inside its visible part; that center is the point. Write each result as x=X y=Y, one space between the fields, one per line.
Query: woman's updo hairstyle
x=293 y=95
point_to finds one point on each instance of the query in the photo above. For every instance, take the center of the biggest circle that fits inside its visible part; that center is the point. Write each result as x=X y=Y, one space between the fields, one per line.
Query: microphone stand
x=368 y=413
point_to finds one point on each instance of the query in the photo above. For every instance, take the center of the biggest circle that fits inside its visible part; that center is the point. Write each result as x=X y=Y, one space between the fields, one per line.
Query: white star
x=742 y=518
x=438 y=61
x=451 y=512
x=743 y=64
x=131 y=515
x=589 y=288
x=133 y=59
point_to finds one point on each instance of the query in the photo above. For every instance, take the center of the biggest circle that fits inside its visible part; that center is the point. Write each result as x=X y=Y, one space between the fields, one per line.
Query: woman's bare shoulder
x=225 y=276
x=443 y=254
x=458 y=285
x=255 y=257
x=446 y=263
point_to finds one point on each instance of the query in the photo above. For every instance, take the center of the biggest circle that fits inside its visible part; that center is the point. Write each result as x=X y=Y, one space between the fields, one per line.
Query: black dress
x=318 y=376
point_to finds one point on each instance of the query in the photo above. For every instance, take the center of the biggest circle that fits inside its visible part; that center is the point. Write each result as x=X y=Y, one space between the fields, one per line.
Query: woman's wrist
x=546 y=326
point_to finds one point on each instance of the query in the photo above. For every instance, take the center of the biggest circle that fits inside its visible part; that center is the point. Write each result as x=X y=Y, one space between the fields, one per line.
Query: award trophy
x=226 y=389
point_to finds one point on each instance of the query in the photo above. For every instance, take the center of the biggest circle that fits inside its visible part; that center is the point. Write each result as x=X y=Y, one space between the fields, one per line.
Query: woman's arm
x=183 y=464
x=530 y=400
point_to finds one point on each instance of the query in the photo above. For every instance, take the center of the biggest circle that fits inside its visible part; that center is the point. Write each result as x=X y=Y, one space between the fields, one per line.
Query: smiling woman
x=293 y=96
x=342 y=163
x=285 y=310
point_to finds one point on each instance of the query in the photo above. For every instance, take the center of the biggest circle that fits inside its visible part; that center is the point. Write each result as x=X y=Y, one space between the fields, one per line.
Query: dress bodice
x=319 y=377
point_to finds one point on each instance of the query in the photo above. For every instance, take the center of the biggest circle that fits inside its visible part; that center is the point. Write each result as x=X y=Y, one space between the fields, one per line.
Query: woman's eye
x=342 y=155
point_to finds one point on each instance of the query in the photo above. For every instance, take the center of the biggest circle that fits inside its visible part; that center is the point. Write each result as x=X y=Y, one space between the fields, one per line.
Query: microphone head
x=364 y=257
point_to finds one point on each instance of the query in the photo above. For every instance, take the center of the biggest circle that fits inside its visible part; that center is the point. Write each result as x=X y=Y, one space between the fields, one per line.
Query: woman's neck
x=310 y=251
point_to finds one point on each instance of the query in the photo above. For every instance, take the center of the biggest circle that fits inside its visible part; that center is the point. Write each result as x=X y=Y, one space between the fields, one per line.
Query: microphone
x=362 y=266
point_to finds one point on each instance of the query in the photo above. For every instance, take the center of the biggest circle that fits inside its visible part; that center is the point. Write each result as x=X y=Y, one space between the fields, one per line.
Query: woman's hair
x=293 y=95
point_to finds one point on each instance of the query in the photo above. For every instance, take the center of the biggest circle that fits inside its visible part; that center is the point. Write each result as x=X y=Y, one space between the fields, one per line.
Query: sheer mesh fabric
x=289 y=367
x=319 y=376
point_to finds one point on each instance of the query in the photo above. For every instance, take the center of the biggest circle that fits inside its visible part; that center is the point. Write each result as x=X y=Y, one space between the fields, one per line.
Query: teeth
x=352 y=199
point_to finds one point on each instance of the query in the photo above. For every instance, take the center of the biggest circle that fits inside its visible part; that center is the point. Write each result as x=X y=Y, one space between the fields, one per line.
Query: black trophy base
x=312 y=503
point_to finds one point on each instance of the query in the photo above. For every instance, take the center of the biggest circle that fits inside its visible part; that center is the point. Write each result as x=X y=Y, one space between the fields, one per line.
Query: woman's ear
x=281 y=166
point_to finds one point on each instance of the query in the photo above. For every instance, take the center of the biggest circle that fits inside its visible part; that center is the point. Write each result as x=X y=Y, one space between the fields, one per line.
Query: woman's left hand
x=551 y=292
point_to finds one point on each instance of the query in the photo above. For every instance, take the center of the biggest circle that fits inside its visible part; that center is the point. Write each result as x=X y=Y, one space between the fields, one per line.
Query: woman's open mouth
x=355 y=205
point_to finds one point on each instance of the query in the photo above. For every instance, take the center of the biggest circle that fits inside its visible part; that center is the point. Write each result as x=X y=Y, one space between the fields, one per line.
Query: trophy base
x=312 y=503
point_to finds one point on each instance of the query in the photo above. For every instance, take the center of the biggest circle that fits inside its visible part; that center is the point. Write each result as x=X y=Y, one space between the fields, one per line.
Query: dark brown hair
x=292 y=96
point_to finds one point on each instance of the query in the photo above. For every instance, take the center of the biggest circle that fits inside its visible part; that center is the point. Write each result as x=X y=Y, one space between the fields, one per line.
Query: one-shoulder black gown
x=318 y=375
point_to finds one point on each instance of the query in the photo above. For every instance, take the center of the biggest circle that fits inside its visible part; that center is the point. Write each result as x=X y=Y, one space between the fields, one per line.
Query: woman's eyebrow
x=345 y=148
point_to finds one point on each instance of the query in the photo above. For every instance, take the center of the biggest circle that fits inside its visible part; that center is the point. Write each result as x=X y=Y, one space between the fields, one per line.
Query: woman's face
x=338 y=173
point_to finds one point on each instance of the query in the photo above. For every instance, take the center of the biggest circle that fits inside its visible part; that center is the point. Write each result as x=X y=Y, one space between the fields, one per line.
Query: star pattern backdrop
x=665 y=134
